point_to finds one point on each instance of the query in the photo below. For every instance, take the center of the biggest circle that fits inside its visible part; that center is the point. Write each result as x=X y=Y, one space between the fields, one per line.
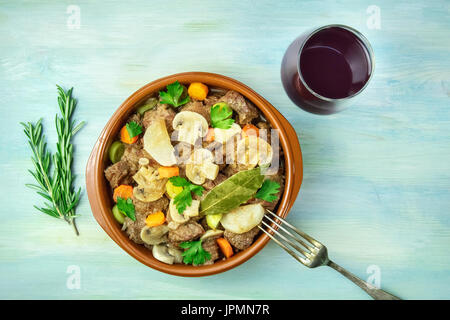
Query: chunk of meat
x=198 y=107
x=161 y=204
x=162 y=111
x=264 y=132
x=211 y=100
x=119 y=173
x=263 y=125
x=211 y=246
x=133 y=228
x=218 y=151
x=234 y=168
x=245 y=109
x=132 y=154
x=142 y=210
x=204 y=224
x=209 y=184
x=185 y=232
x=243 y=240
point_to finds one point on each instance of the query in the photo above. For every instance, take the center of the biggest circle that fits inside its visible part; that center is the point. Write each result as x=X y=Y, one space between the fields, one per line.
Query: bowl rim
x=96 y=182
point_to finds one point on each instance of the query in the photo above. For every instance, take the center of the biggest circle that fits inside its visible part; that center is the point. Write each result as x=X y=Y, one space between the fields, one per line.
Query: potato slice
x=210 y=170
x=243 y=218
x=157 y=143
x=192 y=210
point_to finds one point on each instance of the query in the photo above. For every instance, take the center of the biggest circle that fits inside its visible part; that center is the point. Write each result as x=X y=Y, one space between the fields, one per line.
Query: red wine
x=334 y=63
x=322 y=68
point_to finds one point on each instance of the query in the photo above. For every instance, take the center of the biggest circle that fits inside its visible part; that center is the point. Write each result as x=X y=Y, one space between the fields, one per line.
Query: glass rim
x=364 y=41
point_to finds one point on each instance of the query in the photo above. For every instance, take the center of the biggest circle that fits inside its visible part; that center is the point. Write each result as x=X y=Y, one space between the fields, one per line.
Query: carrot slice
x=225 y=246
x=250 y=130
x=198 y=91
x=210 y=135
x=167 y=172
x=155 y=219
x=125 y=136
x=123 y=191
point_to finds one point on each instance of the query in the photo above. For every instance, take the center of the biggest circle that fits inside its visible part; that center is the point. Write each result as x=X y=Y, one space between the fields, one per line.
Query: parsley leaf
x=195 y=254
x=126 y=207
x=198 y=190
x=268 y=190
x=184 y=198
x=178 y=181
x=134 y=129
x=221 y=116
x=173 y=95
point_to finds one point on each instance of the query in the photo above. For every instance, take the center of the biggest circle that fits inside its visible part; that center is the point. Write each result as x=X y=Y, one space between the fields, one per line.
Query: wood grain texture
x=376 y=185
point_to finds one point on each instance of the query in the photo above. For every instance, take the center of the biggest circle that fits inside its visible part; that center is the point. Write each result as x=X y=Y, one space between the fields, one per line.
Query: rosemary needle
x=56 y=187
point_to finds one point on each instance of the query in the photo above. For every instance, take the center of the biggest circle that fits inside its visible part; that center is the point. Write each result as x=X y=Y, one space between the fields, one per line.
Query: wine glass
x=325 y=68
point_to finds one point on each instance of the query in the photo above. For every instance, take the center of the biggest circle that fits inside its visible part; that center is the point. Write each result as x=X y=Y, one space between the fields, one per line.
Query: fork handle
x=372 y=291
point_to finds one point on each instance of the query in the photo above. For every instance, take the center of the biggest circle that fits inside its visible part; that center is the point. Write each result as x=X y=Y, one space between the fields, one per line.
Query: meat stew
x=192 y=172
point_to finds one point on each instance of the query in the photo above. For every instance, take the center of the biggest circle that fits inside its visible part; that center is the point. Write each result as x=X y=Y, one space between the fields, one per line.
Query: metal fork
x=313 y=253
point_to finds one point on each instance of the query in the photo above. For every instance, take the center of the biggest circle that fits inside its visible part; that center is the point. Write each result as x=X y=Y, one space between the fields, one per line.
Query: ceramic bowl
x=99 y=192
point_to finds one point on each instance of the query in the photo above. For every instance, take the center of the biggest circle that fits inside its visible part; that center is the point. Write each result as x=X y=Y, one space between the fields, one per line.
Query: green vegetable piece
x=231 y=193
x=126 y=207
x=116 y=151
x=268 y=191
x=149 y=105
x=174 y=95
x=221 y=116
x=212 y=220
x=120 y=217
x=195 y=254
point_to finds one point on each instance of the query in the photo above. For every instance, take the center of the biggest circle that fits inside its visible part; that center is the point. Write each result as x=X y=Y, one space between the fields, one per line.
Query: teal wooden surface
x=376 y=176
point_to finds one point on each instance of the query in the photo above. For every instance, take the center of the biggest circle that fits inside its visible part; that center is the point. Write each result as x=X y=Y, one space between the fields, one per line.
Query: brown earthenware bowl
x=99 y=192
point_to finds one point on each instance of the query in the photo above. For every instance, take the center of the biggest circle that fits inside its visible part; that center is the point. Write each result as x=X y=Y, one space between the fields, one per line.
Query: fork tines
x=309 y=246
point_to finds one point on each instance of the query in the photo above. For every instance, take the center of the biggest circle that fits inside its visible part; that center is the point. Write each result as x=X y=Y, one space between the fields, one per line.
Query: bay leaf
x=231 y=193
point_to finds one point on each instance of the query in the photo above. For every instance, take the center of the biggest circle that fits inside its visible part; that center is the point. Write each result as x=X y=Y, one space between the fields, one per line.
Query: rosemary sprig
x=56 y=188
